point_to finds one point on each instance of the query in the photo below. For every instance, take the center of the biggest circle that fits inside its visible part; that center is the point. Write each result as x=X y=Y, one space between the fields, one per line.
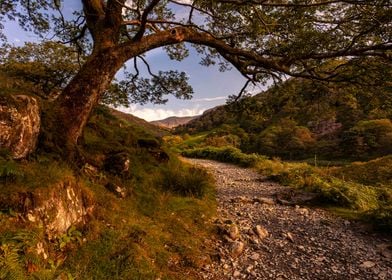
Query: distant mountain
x=172 y=122
x=155 y=130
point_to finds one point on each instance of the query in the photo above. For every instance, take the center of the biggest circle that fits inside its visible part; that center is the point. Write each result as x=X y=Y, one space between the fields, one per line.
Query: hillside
x=153 y=129
x=302 y=118
x=173 y=122
x=136 y=211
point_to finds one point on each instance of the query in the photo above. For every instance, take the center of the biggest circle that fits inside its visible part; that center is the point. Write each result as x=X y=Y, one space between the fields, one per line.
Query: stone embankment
x=266 y=234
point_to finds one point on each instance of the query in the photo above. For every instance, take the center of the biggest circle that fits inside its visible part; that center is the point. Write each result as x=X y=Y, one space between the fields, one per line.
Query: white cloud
x=185 y=1
x=151 y=114
x=17 y=40
x=209 y=99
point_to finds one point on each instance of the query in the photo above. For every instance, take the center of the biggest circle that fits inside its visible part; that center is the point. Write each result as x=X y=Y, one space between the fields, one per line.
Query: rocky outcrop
x=58 y=208
x=19 y=124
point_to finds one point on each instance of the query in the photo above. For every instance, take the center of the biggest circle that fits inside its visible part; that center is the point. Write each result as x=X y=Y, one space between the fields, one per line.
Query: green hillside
x=300 y=118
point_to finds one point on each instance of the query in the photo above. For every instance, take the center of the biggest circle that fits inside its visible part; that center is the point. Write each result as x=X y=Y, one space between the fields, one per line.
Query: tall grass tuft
x=185 y=180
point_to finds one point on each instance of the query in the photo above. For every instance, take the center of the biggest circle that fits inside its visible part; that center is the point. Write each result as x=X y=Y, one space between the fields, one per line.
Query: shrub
x=225 y=154
x=367 y=138
x=185 y=181
x=374 y=172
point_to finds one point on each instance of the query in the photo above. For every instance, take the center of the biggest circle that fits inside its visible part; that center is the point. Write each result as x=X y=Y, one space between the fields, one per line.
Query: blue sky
x=211 y=87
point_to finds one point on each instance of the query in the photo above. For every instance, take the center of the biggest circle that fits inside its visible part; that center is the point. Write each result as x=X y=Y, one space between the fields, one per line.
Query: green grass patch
x=373 y=172
x=225 y=154
x=360 y=188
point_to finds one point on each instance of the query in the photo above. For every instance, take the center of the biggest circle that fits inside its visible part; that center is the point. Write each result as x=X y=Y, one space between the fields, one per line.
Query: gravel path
x=265 y=235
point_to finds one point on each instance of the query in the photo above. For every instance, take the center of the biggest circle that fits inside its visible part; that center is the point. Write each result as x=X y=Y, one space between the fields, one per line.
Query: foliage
x=72 y=235
x=371 y=137
x=299 y=118
x=9 y=170
x=285 y=139
x=281 y=40
x=373 y=172
x=225 y=154
x=43 y=69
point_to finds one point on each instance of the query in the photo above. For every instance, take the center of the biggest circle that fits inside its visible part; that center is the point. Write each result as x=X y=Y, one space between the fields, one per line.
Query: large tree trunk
x=74 y=105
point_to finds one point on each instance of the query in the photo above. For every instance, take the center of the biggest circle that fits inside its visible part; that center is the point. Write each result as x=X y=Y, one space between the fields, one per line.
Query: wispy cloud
x=151 y=114
x=209 y=99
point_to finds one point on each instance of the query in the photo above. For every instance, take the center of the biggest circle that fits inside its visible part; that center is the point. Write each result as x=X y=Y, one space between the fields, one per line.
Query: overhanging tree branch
x=143 y=20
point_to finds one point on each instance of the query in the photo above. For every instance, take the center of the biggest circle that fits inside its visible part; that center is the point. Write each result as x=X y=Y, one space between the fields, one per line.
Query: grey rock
x=119 y=191
x=117 y=163
x=63 y=206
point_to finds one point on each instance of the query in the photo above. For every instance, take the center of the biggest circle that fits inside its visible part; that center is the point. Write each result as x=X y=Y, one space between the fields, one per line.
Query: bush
x=369 y=138
x=225 y=154
x=331 y=190
x=185 y=181
x=374 y=172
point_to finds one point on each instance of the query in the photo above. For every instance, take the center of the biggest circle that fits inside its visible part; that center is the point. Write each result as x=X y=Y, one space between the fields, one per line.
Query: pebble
x=367 y=264
x=261 y=232
x=315 y=244
x=237 y=248
x=233 y=232
x=255 y=256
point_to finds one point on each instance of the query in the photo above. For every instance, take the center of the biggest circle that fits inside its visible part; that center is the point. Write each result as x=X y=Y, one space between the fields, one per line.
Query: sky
x=211 y=87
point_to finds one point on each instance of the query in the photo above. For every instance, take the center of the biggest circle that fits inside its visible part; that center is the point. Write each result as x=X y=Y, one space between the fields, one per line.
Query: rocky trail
x=266 y=234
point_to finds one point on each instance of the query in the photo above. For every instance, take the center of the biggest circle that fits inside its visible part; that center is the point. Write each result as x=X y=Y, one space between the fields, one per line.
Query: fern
x=9 y=170
x=10 y=266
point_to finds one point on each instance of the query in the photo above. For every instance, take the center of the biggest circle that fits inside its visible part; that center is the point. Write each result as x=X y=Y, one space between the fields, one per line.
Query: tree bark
x=74 y=105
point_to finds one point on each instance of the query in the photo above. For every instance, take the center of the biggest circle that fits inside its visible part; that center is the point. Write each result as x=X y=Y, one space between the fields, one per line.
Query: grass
x=225 y=154
x=363 y=189
x=157 y=231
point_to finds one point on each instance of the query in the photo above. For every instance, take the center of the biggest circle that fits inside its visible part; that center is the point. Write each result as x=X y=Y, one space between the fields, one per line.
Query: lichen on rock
x=19 y=124
x=62 y=206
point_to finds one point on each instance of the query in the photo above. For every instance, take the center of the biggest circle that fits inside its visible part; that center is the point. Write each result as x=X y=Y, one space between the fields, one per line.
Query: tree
x=367 y=138
x=45 y=68
x=262 y=39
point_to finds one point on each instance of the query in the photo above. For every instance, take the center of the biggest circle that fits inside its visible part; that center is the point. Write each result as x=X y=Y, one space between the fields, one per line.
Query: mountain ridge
x=173 y=121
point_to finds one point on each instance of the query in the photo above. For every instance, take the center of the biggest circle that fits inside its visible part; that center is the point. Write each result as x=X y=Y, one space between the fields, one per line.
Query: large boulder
x=57 y=208
x=19 y=124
